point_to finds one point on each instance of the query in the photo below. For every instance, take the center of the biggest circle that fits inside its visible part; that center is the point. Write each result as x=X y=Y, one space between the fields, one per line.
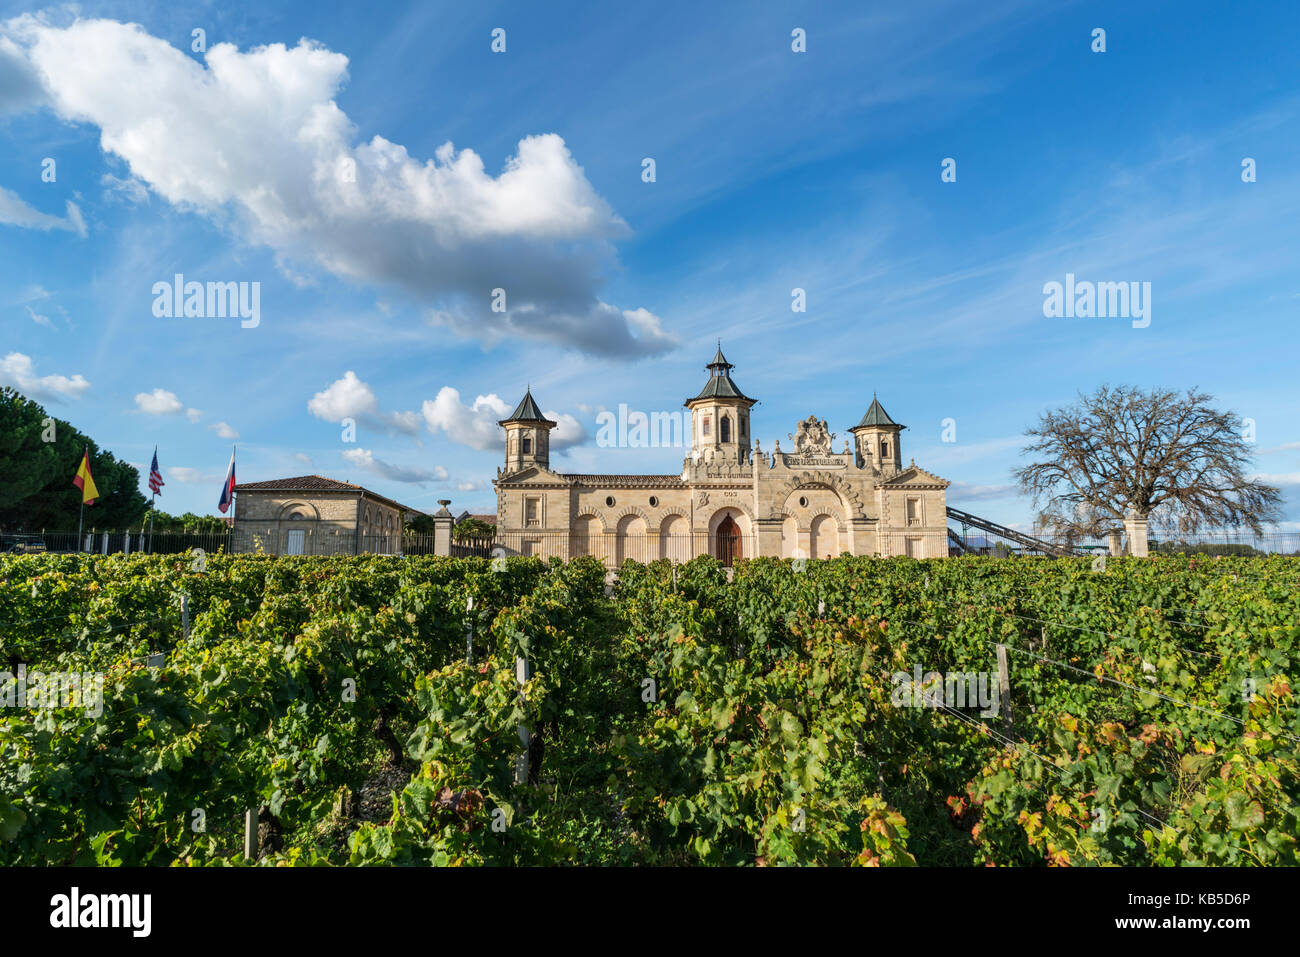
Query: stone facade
x=731 y=499
x=313 y=515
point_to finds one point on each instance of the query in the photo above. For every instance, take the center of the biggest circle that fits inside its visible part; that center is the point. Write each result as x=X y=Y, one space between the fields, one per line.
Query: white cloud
x=158 y=402
x=474 y=485
x=193 y=415
x=128 y=188
x=960 y=453
x=365 y=459
x=303 y=458
x=259 y=134
x=1284 y=447
x=15 y=212
x=20 y=87
x=33 y=294
x=473 y=425
x=1279 y=479
x=349 y=397
x=38 y=318
x=224 y=431
x=18 y=372
x=476 y=425
x=960 y=492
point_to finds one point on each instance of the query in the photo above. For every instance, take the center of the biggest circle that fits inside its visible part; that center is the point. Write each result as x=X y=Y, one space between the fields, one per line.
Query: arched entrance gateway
x=727 y=541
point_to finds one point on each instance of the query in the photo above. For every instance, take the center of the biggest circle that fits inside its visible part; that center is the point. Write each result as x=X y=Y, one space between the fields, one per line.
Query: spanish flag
x=84 y=482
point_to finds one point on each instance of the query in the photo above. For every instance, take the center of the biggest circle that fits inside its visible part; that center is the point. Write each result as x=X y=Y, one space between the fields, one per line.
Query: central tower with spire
x=720 y=417
x=528 y=436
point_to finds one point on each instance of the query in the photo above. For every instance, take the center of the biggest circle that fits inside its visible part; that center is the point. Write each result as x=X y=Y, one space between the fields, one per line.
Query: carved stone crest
x=812 y=437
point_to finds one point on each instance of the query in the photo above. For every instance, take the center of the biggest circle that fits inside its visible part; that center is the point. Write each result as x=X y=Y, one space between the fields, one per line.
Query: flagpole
x=153 y=499
x=81 y=513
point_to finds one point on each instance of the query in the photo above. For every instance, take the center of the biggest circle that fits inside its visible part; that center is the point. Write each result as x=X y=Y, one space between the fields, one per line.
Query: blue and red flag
x=155 y=477
x=228 y=489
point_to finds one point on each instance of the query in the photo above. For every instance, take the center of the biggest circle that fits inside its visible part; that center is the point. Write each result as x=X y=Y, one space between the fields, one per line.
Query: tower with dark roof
x=720 y=416
x=877 y=437
x=528 y=436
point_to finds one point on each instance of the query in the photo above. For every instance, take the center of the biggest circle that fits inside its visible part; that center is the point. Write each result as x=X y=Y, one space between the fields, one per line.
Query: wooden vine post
x=1004 y=691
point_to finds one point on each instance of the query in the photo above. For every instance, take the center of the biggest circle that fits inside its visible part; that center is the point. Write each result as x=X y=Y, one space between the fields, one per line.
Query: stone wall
x=329 y=522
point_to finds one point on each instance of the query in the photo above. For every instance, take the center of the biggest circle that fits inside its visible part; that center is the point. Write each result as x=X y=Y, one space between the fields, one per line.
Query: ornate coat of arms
x=812 y=437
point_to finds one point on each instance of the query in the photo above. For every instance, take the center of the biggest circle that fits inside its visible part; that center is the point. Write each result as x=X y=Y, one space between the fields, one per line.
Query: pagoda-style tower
x=528 y=436
x=720 y=417
x=877 y=437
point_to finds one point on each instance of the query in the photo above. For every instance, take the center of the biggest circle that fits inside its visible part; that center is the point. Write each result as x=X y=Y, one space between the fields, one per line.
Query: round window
x=654 y=502
x=803 y=503
x=609 y=500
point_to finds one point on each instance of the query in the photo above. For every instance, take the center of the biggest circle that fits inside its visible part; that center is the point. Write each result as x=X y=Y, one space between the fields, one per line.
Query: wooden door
x=728 y=541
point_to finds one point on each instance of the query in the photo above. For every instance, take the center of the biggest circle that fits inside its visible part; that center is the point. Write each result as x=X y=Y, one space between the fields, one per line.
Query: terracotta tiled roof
x=302 y=483
x=318 y=483
x=673 y=481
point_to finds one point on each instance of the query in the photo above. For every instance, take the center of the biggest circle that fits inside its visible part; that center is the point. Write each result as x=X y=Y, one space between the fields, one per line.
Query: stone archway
x=824 y=537
x=738 y=532
x=675 y=539
x=587 y=536
x=815 y=522
x=630 y=539
x=850 y=501
x=727 y=544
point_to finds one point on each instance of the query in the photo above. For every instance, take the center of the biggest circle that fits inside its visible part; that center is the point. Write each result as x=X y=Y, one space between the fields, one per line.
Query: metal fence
x=1228 y=542
x=304 y=538
x=310 y=538
x=113 y=542
x=1214 y=542
x=614 y=548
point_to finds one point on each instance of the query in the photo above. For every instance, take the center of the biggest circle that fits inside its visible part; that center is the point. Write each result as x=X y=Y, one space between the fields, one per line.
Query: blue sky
x=321 y=171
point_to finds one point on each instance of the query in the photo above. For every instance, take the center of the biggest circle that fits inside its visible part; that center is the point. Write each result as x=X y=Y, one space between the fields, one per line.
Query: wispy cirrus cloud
x=15 y=212
x=415 y=475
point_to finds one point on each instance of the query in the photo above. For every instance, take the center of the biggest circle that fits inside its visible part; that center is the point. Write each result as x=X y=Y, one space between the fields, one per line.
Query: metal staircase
x=1001 y=531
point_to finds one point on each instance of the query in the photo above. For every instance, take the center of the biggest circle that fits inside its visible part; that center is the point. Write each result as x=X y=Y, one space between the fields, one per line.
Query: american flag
x=155 y=477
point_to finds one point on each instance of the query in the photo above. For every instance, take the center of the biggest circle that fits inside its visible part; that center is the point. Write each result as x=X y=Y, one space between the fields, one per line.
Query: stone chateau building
x=730 y=499
x=314 y=515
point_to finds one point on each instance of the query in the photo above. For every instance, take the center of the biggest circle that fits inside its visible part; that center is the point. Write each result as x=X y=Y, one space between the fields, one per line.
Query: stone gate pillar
x=442 y=522
x=769 y=536
x=1135 y=527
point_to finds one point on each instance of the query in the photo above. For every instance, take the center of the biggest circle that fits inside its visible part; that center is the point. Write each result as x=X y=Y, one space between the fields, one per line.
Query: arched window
x=884 y=449
x=706 y=425
x=528 y=445
x=724 y=429
x=743 y=427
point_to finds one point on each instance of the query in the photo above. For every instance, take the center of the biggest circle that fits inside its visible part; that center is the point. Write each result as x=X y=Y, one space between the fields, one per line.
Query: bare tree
x=1168 y=456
